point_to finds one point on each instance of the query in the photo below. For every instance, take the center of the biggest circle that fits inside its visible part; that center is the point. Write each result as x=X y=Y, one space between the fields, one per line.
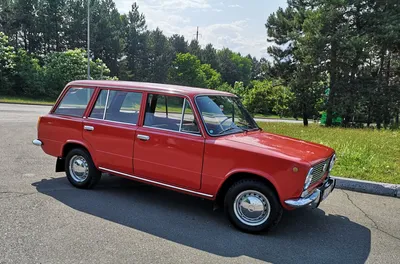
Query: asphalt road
x=45 y=220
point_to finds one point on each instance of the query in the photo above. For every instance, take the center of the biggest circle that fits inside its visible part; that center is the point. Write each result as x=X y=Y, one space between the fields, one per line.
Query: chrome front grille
x=319 y=171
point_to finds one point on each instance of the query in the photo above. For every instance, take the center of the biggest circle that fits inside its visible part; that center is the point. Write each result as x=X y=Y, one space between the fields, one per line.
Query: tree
x=6 y=64
x=26 y=20
x=233 y=67
x=297 y=54
x=135 y=40
x=76 y=24
x=63 y=67
x=106 y=31
x=213 y=78
x=8 y=23
x=51 y=20
x=178 y=43
x=194 y=48
x=209 y=56
x=160 y=56
x=187 y=69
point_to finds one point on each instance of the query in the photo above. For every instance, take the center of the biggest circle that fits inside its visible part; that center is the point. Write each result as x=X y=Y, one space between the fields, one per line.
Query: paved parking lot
x=45 y=220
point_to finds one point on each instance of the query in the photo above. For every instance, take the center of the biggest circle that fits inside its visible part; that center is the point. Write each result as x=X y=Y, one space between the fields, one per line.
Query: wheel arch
x=236 y=176
x=67 y=147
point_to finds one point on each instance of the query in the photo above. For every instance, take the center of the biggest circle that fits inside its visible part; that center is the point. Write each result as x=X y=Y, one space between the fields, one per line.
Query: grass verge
x=361 y=153
x=21 y=100
x=273 y=117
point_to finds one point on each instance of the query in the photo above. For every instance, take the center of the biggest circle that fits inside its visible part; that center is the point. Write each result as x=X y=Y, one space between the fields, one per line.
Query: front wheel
x=252 y=206
x=80 y=169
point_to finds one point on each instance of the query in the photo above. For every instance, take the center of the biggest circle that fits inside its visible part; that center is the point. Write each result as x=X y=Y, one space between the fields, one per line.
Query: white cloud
x=235 y=6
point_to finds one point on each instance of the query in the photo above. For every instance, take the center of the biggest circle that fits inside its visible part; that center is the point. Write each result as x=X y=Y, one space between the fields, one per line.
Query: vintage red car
x=196 y=141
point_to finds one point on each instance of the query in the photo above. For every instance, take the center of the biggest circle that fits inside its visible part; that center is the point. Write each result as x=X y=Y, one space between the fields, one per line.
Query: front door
x=111 y=128
x=169 y=147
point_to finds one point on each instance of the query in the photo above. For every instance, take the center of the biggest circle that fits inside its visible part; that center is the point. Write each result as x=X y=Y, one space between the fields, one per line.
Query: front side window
x=170 y=113
x=224 y=115
x=74 y=102
x=119 y=106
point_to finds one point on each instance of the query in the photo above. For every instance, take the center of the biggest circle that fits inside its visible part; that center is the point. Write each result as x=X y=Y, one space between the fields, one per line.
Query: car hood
x=295 y=149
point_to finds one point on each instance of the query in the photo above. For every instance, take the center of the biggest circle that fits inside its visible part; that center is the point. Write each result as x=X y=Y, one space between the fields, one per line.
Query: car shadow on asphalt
x=303 y=236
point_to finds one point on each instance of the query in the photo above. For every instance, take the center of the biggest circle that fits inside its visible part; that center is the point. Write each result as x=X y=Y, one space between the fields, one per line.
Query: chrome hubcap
x=252 y=208
x=78 y=168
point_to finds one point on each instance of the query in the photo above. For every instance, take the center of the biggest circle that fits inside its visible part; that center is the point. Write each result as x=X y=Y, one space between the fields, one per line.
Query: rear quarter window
x=74 y=102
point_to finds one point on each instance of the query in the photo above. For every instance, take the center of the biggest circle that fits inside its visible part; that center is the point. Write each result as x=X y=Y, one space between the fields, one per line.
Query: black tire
x=275 y=212
x=93 y=175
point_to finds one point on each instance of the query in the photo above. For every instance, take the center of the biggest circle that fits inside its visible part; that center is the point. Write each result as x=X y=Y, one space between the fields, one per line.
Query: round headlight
x=333 y=159
x=308 y=179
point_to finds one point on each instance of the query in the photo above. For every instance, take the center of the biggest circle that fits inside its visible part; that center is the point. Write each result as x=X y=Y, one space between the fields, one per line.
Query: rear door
x=111 y=128
x=169 y=147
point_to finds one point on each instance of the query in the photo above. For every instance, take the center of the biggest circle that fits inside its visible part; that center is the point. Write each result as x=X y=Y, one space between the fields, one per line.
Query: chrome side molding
x=156 y=182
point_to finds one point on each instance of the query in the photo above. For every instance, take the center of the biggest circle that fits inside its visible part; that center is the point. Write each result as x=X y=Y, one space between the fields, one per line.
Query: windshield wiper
x=229 y=128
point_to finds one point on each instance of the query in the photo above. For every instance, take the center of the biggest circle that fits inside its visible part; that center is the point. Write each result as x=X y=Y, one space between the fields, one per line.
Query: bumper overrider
x=314 y=198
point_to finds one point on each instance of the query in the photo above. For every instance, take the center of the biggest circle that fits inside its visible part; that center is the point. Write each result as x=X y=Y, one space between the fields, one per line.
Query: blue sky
x=236 y=24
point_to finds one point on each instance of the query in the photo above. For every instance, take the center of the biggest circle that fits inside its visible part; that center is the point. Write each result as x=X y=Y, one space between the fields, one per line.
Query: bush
x=267 y=98
x=28 y=76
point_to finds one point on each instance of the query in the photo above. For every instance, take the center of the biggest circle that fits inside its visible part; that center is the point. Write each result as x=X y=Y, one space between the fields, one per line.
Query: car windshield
x=224 y=115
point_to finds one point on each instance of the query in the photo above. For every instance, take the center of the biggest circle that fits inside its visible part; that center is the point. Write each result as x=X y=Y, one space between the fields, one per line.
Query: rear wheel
x=252 y=206
x=80 y=169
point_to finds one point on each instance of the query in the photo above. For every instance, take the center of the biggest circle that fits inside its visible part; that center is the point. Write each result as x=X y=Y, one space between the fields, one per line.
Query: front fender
x=255 y=172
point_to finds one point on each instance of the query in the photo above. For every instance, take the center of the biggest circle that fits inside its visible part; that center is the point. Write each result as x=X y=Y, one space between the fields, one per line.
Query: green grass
x=272 y=116
x=21 y=100
x=361 y=153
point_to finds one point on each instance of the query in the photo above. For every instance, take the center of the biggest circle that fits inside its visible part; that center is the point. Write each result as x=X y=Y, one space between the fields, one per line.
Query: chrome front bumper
x=315 y=198
x=37 y=142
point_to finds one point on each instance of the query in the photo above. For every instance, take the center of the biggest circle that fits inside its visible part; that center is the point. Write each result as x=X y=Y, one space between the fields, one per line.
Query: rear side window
x=118 y=106
x=74 y=102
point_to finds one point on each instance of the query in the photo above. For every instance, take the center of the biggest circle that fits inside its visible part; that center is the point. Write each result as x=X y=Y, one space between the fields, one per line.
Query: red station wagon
x=196 y=141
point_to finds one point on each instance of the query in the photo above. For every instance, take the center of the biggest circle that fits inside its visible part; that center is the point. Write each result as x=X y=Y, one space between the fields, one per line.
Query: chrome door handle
x=143 y=137
x=88 y=128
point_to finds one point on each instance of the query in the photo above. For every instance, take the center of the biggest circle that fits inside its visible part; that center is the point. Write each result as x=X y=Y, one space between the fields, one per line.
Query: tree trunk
x=16 y=40
x=387 y=94
x=305 y=115
x=25 y=40
x=379 y=89
x=369 y=115
x=332 y=88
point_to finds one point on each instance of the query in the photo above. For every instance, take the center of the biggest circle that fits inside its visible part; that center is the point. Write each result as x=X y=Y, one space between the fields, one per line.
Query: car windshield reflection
x=224 y=115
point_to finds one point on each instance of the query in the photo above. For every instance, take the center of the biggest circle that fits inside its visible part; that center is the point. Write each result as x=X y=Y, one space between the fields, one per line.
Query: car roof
x=157 y=87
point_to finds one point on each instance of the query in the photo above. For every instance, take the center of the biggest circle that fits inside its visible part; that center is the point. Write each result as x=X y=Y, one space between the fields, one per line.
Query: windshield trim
x=204 y=123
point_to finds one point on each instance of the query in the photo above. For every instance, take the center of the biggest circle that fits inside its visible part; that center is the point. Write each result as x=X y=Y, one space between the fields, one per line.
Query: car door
x=111 y=128
x=169 y=146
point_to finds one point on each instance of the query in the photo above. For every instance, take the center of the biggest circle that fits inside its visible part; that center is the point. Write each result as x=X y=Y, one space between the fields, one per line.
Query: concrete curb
x=378 y=188
x=15 y=103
